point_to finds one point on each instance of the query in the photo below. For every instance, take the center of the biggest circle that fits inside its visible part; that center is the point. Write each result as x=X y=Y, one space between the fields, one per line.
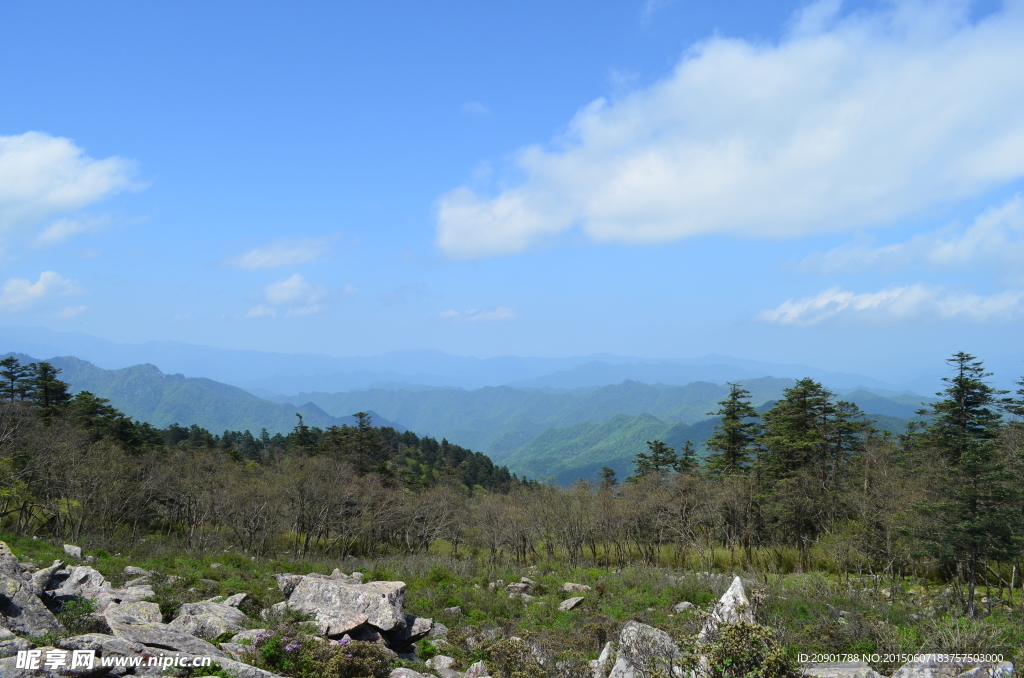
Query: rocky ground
x=342 y=609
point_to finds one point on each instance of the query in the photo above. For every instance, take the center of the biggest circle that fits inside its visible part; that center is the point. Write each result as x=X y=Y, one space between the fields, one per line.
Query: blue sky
x=833 y=184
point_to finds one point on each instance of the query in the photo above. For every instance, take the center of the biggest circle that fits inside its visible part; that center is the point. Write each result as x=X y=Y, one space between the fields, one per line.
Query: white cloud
x=72 y=311
x=19 y=294
x=293 y=291
x=64 y=229
x=896 y=305
x=294 y=297
x=479 y=314
x=261 y=311
x=848 y=122
x=283 y=252
x=42 y=176
x=652 y=6
x=475 y=108
x=996 y=237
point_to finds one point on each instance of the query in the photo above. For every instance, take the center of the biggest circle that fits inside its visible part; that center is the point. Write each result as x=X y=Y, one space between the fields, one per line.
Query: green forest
x=805 y=487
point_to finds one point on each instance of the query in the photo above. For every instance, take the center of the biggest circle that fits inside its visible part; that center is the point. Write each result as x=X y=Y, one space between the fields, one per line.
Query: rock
x=354 y=578
x=11 y=645
x=477 y=670
x=209 y=620
x=240 y=670
x=731 y=608
x=79 y=579
x=248 y=637
x=438 y=631
x=407 y=673
x=138 y=581
x=600 y=666
x=839 y=670
x=236 y=600
x=570 y=604
x=21 y=611
x=236 y=650
x=288 y=582
x=8 y=668
x=525 y=597
x=415 y=629
x=73 y=551
x=9 y=564
x=440 y=662
x=644 y=649
x=683 y=606
x=452 y=610
x=409 y=656
x=162 y=636
x=929 y=666
x=1000 y=670
x=133 y=613
x=519 y=587
x=569 y=587
x=215 y=566
x=339 y=607
x=275 y=610
x=41 y=579
x=132 y=571
x=528 y=582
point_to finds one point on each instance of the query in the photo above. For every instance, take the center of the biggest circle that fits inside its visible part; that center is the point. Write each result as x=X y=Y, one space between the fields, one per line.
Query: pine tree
x=687 y=461
x=46 y=391
x=15 y=378
x=661 y=459
x=976 y=510
x=609 y=481
x=732 y=444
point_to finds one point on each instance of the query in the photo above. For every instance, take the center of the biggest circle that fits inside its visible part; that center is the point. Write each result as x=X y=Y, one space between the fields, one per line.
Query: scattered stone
x=73 y=551
x=452 y=610
x=440 y=662
x=132 y=571
x=21 y=611
x=683 y=606
x=162 y=636
x=477 y=670
x=215 y=566
x=339 y=607
x=839 y=670
x=209 y=620
x=408 y=673
x=528 y=582
x=643 y=649
x=519 y=587
x=525 y=597
x=731 y=608
x=929 y=666
x=11 y=645
x=570 y=604
x=248 y=637
x=569 y=587
x=133 y=613
x=236 y=600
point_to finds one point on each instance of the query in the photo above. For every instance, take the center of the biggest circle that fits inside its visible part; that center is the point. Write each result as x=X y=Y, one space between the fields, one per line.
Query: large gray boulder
x=9 y=564
x=42 y=578
x=140 y=629
x=731 y=608
x=929 y=666
x=415 y=628
x=133 y=613
x=209 y=620
x=11 y=645
x=338 y=607
x=570 y=604
x=8 y=669
x=839 y=670
x=22 y=611
x=644 y=649
x=287 y=582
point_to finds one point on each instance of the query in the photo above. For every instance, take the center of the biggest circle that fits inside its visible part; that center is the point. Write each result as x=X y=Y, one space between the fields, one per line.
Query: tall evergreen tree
x=733 y=441
x=976 y=510
x=660 y=459
x=46 y=391
x=16 y=379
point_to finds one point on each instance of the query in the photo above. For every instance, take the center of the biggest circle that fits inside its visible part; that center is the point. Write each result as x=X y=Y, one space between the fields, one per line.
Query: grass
x=811 y=612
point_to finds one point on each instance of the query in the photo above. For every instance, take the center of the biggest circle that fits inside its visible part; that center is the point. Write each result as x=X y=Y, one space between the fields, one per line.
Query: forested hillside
x=147 y=394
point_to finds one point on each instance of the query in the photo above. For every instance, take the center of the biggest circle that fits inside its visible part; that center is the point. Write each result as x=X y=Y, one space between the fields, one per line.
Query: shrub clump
x=745 y=650
x=291 y=650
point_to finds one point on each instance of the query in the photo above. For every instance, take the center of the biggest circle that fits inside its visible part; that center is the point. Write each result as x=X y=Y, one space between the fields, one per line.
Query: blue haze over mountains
x=557 y=418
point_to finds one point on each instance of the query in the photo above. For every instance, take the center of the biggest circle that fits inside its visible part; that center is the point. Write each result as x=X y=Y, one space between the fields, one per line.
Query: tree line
x=807 y=483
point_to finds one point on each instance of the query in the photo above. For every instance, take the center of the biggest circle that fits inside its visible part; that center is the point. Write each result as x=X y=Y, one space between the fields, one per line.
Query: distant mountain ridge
x=145 y=393
x=267 y=372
